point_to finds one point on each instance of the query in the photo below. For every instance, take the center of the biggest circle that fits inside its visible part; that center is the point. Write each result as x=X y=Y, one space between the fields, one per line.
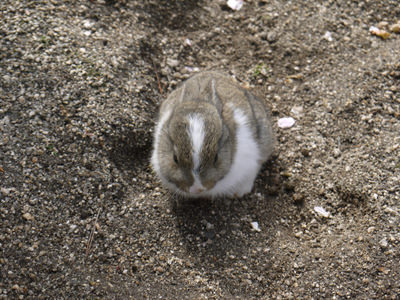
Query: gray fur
x=210 y=95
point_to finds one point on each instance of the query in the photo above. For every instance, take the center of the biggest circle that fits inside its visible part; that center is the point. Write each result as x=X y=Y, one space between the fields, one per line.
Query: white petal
x=255 y=226
x=321 y=211
x=328 y=36
x=286 y=122
x=235 y=4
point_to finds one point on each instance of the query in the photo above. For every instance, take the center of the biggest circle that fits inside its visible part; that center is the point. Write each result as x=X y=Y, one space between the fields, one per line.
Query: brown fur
x=212 y=96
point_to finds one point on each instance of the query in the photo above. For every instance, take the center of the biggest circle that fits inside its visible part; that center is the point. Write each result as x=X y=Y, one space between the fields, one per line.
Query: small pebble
x=28 y=216
x=298 y=234
x=383 y=243
x=272 y=36
x=305 y=152
x=336 y=152
x=395 y=28
x=383 y=25
x=159 y=269
x=88 y=24
x=297 y=111
x=172 y=62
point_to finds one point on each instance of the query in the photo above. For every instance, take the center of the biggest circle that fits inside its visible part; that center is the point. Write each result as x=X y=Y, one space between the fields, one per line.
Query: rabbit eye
x=175 y=159
x=216 y=158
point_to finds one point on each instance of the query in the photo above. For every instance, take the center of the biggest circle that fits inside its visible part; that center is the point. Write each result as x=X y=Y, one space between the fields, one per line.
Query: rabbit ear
x=224 y=137
x=183 y=93
x=214 y=96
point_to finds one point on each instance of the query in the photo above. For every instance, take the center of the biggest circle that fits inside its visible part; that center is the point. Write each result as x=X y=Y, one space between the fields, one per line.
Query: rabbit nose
x=196 y=187
x=196 y=190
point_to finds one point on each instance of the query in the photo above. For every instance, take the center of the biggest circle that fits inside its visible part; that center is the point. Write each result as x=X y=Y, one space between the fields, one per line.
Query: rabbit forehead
x=204 y=133
x=195 y=136
x=203 y=118
x=196 y=132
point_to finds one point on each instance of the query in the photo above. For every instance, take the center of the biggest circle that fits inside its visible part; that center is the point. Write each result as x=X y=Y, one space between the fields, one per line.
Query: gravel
x=83 y=216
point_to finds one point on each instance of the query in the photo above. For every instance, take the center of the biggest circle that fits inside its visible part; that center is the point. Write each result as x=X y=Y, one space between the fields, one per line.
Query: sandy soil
x=82 y=214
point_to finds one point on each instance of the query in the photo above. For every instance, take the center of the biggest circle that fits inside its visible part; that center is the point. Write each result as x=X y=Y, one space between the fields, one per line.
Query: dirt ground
x=82 y=214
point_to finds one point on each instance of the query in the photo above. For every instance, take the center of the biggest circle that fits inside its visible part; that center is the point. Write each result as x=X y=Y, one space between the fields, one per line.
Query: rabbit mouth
x=197 y=187
x=196 y=190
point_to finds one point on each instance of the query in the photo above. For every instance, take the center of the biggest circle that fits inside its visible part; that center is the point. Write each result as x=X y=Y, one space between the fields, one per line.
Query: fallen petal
x=255 y=226
x=328 y=36
x=286 y=122
x=235 y=4
x=321 y=211
x=188 y=42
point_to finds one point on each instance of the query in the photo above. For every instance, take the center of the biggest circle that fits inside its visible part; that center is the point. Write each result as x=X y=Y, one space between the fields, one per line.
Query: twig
x=89 y=243
x=158 y=78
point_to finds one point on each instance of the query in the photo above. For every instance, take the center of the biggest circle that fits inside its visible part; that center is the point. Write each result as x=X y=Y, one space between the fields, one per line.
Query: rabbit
x=211 y=138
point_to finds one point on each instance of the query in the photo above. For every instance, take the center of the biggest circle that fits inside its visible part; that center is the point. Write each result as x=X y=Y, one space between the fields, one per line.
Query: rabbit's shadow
x=214 y=231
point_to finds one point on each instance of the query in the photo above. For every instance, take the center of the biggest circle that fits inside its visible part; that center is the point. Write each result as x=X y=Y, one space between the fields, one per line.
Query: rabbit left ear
x=214 y=96
x=183 y=93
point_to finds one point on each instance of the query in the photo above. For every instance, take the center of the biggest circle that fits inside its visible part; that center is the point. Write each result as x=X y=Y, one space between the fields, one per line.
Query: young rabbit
x=211 y=138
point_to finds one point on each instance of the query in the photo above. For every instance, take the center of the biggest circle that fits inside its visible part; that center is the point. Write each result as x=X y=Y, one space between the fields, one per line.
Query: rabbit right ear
x=214 y=96
x=224 y=137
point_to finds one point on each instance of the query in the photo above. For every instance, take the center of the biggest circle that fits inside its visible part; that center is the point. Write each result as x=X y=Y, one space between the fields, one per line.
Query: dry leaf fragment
x=384 y=270
x=379 y=32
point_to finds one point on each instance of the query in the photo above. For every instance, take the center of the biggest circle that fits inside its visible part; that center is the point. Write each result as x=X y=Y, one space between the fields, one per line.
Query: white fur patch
x=245 y=166
x=154 y=158
x=196 y=135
